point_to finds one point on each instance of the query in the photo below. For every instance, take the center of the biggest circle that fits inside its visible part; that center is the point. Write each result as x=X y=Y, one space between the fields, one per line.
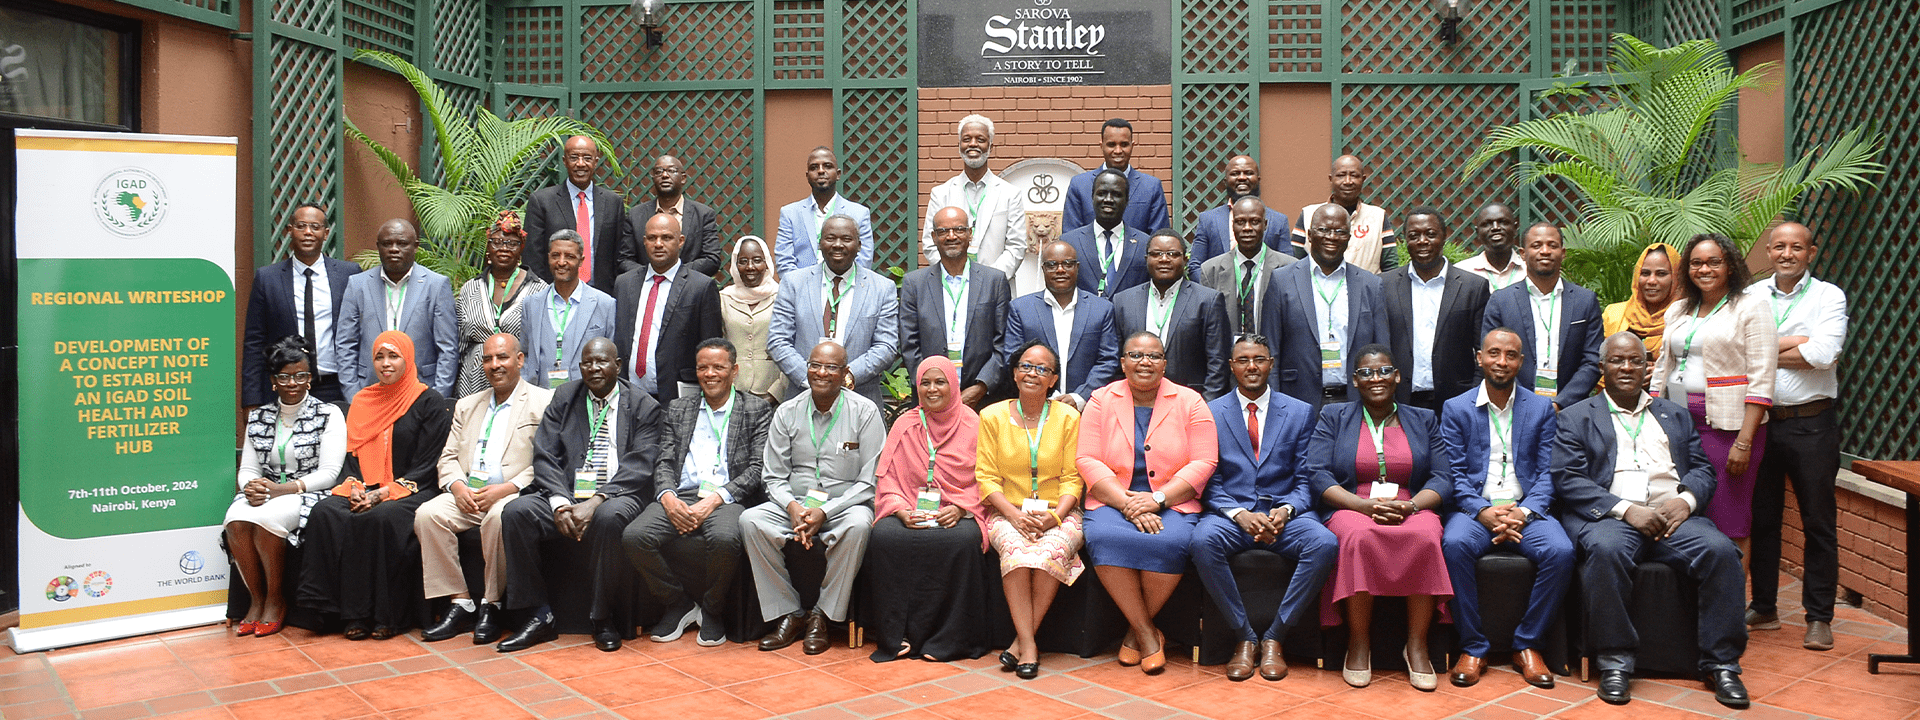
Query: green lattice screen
x=1866 y=244
x=303 y=163
x=1555 y=200
x=1386 y=36
x=459 y=37
x=1296 y=36
x=514 y=107
x=1754 y=15
x=877 y=35
x=799 y=47
x=1580 y=30
x=1216 y=113
x=533 y=43
x=310 y=15
x=705 y=41
x=1217 y=123
x=877 y=156
x=378 y=25
x=1416 y=137
x=688 y=126
x=1213 y=37
x=1691 y=20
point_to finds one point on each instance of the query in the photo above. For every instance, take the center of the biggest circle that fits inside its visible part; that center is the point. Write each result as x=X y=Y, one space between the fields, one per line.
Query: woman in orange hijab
x=363 y=562
x=1645 y=314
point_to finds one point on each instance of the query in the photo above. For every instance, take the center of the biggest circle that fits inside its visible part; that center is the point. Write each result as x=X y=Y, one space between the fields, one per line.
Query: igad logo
x=130 y=202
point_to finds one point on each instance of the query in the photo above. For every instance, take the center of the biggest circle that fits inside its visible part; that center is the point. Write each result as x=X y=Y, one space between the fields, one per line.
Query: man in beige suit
x=487 y=461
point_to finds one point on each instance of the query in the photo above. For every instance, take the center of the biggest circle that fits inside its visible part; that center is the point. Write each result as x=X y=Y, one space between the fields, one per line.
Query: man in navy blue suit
x=1499 y=442
x=1213 y=232
x=1146 y=198
x=1631 y=476
x=300 y=295
x=1077 y=324
x=1189 y=318
x=1258 y=498
x=1558 y=322
x=1115 y=253
x=1318 y=314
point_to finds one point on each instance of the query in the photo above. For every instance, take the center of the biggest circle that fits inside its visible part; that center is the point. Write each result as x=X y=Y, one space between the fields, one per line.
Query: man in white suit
x=801 y=221
x=994 y=211
x=559 y=321
x=836 y=300
x=398 y=295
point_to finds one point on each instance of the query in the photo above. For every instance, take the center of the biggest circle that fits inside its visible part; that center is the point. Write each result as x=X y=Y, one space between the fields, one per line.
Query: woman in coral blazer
x=1146 y=449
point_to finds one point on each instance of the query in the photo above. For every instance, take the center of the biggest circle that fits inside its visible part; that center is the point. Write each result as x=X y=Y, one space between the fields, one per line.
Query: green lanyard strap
x=395 y=303
x=497 y=311
x=281 y=447
x=954 y=298
x=1328 y=297
x=1780 y=316
x=1259 y=262
x=1379 y=434
x=1504 y=435
x=820 y=438
x=1693 y=328
x=1548 y=325
x=560 y=321
x=596 y=415
x=1033 y=443
x=932 y=452
x=1166 y=312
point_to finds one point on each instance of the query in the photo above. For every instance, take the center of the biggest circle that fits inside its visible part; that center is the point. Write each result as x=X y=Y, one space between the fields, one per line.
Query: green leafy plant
x=486 y=164
x=1645 y=167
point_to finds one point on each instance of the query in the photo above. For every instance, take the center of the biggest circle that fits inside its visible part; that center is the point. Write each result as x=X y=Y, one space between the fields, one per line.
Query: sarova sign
x=1016 y=33
x=1042 y=42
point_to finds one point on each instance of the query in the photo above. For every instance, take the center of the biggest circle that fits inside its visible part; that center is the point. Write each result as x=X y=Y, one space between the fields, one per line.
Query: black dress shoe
x=486 y=626
x=785 y=633
x=1027 y=671
x=1728 y=689
x=456 y=621
x=1007 y=661
x=1613 y=687
x=605 y=636
x=536 y=631
x=816 y=641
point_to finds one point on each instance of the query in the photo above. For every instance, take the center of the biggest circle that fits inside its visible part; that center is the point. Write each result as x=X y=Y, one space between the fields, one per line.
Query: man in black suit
x=1433 y=315
x=662 y=311
x=297 y=296
x=1189 y=318
x=957 y=308
x=593 y=459
x=698 y=222
x=583 y=206
x=1628 y=491
x=709 y=470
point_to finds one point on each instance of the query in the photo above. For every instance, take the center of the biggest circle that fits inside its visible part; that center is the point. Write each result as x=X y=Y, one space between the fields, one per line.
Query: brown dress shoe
x=1819 y=636
x=784 y=633
x=1273 y=665
x=1467 y=670
x=1245 y=656
x=1533 y=668
x=816 y=641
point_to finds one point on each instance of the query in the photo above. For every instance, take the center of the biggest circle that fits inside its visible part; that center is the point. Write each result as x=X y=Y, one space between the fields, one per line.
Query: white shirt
x=1115 y=236
x=611 y=426
x=496 y=431
x=558 y=309
x=1547 y=309
x=1496 y=277
x=1160 y=307
x=322 y=311
x=394 y=295
x=1502 y=482
x=707 y=454
x=1330 y=317
x=651 y=381
x=1814 y=309
x=843 y=314
x=954 y=309
x=1426 y=322
x=1648 y=452
x=1240 y=262
x=1241 y=401
x=1063 y=336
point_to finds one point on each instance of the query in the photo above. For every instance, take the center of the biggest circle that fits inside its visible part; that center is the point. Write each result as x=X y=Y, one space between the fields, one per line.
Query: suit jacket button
x=1148 y=448
x=1149 y=474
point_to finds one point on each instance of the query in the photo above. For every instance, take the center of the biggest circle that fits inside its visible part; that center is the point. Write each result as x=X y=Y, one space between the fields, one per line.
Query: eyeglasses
x=1033 y=369
x=828 y=368
x=1060 y=264
x=1715 y=263
x=294 y=379
x=1145 y=356
x=503 y=243
x=1168 y=254
x=1372 y=373
x=951 y=231
x=309 y=226
x=667 y=172
x=1625 y=362
x=1251 y=361
x=578 y=157
x=1332 y=232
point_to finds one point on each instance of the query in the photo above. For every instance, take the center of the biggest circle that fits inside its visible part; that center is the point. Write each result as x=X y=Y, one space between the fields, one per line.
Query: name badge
x=476 y=481
x=556 y=378
x=1330 y=355
x=815 y=498
x=928 y=502
x=709 y=488
x=1546 y=382
x=1033 y=505
x=585 y=483
x=1384 y=491
x=1631 y=485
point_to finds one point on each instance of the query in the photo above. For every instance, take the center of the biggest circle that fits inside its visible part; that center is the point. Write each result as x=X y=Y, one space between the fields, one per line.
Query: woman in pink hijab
x=929 y=595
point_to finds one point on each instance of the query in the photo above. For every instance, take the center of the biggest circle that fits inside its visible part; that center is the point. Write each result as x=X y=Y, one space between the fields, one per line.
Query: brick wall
x=1042 y=122
x=1873 y=561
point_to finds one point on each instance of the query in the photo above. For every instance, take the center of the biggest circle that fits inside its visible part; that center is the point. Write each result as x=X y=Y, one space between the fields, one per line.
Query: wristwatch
x=1160 y=498
x=1288 y=509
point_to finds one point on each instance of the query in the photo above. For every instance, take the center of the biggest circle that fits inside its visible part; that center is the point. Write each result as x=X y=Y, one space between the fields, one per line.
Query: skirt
x=1731 y=508
x=283 y=516
x=1113 y=541
x=1056 y=553
x=926 y=590
x=363 y=566
x=1391 y=560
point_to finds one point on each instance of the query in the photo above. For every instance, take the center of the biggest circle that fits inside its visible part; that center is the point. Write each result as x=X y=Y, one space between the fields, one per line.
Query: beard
x=973 y=163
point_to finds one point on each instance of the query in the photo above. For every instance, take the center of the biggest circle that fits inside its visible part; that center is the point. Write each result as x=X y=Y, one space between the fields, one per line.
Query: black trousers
x=717 y=542
x=1610 y=549
x=528 y=521
x=1806 y=452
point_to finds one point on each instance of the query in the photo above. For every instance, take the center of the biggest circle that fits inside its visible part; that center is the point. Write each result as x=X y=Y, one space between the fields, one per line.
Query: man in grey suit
x=957 y=308
x=1433 y=315
x=1240 y=275
x=559 y=322
x=698 y=222
x=1189 y=318
x=836 y=300
x=398 y=295
x=822 y=451
x=802 y=221
x=709 y=468
x=594 y=211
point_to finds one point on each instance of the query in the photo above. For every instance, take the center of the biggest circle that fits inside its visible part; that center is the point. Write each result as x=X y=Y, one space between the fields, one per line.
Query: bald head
x=1348 y=179
x=662 y=241
x=1243 y=176
x=397 y=243
x=1791 y=248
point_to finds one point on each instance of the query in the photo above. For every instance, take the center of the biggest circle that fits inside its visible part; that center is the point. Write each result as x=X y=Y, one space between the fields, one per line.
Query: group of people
x=1384 y=425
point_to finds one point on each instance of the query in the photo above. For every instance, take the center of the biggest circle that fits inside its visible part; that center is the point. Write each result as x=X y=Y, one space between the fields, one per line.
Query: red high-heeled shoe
x=243 y=629
x=266 y=628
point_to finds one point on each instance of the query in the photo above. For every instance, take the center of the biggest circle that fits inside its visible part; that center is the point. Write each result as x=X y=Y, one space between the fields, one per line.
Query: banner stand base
x=26 y=640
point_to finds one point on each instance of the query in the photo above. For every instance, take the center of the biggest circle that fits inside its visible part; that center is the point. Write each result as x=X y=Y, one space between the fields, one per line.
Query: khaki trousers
x=436 y=523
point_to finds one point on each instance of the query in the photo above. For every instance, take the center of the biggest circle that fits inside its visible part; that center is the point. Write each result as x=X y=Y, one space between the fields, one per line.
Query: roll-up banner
x=126 y=331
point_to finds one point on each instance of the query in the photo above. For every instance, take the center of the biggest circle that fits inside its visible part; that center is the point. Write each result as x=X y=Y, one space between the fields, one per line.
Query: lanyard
x=1109 y=262
x=833 y=306
x=1548 y=325
x=1633 y=433
x=281 y=447
x=1694 y=329
x=1780 y=316
x=596 y=415
x=955 y=295
x=497 y=311
x=1033 y=443
x=487 y=434
x=1502 y=435
x=1329 y=297
x=394 y=304
x=560 y=321
x=1261 y=262
x=1166 y=311
x=973 y=208
x=820 y=439
x=931 y=451
x=717 y=425
x=1379 y=435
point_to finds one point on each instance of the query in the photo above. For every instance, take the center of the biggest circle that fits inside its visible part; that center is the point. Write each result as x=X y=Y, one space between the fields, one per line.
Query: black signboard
x=1044 y=42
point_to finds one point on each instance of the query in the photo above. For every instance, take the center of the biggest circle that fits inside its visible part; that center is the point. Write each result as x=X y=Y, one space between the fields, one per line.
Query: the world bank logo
x=98 y=583
x=62 y=589
x=191 y=563
x=130 y=202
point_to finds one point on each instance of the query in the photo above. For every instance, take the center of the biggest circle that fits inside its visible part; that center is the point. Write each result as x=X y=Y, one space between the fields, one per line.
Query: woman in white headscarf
x=746 y=306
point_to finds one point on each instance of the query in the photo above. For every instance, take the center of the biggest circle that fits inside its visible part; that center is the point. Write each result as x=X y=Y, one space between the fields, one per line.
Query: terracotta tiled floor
x=206 y=673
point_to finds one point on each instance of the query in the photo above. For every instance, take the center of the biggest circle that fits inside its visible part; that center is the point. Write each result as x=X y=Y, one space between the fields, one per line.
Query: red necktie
x=583 y=224
x=1253 y=429
x=646 y=330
